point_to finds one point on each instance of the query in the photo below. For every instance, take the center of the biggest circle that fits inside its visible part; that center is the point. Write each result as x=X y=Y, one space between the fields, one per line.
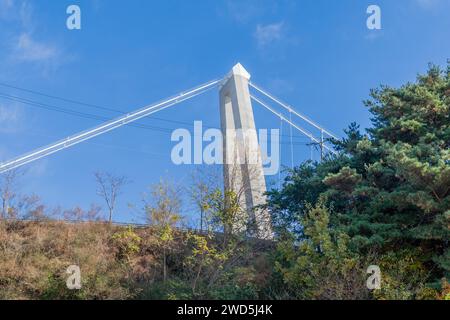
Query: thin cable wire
x=106 y=127
x=292 y=143
x=72 y=101
x=292 y=110
x=75 y=113
x=281 y=152
x=71 y=112
x=96 y=106
x=303 y=131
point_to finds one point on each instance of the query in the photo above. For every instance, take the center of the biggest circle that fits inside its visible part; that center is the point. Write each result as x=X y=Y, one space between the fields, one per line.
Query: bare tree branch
x=109 y=188
x=8 y=185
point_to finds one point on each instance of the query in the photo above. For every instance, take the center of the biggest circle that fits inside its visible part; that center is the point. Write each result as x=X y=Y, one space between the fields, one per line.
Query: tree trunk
x=201 y=221
x=194 y=286
x=4 y=209
x=164 y=266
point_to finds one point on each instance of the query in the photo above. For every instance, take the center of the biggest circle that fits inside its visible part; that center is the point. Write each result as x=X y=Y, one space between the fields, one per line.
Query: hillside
x=382 y=203
x=122 y=263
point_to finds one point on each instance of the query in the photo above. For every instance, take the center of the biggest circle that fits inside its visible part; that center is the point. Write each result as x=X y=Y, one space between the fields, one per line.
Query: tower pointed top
x=239 y=70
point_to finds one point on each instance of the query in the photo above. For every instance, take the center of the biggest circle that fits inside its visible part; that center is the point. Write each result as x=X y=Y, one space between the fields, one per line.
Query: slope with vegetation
x=385 y=200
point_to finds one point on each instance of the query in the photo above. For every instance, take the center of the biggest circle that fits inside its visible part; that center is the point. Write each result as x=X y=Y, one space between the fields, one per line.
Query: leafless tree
x=109 y=188
x=28 y=207
x=8 y=185
x=79 y=214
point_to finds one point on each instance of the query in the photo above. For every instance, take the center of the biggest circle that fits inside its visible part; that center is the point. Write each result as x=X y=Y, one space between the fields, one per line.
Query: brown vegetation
x=116 y=262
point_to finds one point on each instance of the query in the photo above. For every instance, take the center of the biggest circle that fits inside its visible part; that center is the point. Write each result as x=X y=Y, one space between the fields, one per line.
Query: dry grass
x=34 y=257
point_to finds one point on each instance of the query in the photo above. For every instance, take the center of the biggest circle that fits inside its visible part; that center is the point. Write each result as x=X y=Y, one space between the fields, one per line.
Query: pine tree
x=389 y=188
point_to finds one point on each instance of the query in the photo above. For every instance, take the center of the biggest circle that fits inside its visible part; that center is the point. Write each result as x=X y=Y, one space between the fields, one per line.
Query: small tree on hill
x=109 y=188
x=163 y=213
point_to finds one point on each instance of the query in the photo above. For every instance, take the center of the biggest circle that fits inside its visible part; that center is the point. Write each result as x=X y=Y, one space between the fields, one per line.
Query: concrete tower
x=243 y=167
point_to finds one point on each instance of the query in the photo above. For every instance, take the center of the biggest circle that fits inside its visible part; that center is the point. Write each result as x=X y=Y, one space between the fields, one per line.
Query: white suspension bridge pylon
x=236 y=113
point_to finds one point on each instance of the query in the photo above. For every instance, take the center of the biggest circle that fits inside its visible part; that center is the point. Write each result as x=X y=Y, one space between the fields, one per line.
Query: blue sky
x=317 y=55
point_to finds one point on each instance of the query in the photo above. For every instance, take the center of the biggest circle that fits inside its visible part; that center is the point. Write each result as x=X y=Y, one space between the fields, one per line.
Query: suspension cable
x=290 y=109
x=292 y=143
x=303 y=131
x=106 y=127
x=281 y=151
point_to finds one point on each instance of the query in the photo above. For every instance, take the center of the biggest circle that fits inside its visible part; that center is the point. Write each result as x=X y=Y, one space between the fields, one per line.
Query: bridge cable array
x=319 y=142
x=296 y=126
x=131 y=118
x=107 y=126
x=91 y=116
x=292 y=110
x=71 y=101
